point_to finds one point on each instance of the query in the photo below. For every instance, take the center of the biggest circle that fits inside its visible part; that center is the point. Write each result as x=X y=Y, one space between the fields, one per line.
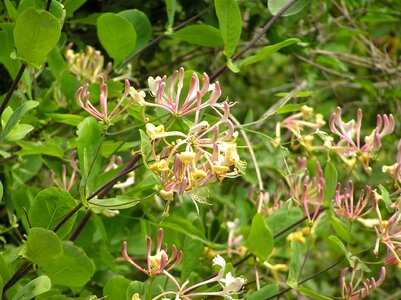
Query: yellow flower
x=153 y=132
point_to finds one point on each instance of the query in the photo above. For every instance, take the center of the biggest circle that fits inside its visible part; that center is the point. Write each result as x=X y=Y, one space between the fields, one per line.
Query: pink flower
x=103 y=115
x=157 y=263
x=345 y=202
x=169 y=96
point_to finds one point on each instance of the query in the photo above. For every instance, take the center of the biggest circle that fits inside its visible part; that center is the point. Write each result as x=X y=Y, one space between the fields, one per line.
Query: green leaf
x=260 y=240
x=265 y=292
x=338 y=226
x=294 y=265
x=184 y=226
x=119 y=202
x=330 y=183
x=171 y=7
x=49 y=207
x=16 y=116
x=42 y=246
x=202 y=34
x=1 y=190
x=266 y=51
x=73 y=269
x=11 y=10
x=350 y=257
x=56 y=63
x=72 y=5
x=89 y=141
x=312 y=294
x=7 y=47
x=385 y=197
x=45 y=148
x=190 y=263
x=37 y=286
x=68 y=119
x=282 y=218
x=36 y=32
x=117 y=36
x=289 y=108
x=300 y=94
x=276 y=5
x=141 y=24
x=116 y=288
x=135 y=287
x=230 y=23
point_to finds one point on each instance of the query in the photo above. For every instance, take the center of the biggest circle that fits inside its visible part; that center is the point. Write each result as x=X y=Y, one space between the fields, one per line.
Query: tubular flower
x=87 y=65
x=103 y=115
x=297 y=123
x=64 y=185
x=349 y=144
x=389 y=234
x=350 y=291
x=345 y=202
x=195 y=158
x=169 y=96
x=308 y=191
x=395 y=170
x=157 y=263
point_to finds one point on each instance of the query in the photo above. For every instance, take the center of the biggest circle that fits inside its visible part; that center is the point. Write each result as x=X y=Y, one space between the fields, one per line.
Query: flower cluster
x=159 y=263
x=389 y=234
x=87 y=65
x=306 y=190
x=351 y=291
x=170 y=98
x=345 y=202
x=204 y=153
x=230 y=285
x=297 y=123
x=349 y=145
x=82 y=96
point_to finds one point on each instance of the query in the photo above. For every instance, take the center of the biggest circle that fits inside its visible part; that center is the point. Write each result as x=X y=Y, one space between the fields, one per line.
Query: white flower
x=218 y=260
x=232 y=284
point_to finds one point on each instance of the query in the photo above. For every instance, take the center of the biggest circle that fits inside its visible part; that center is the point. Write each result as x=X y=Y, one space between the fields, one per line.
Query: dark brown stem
x=12 y=88
x=254 y=40
x=19 y=273
x=68 y=216
x=306 y=279
x=81 y=225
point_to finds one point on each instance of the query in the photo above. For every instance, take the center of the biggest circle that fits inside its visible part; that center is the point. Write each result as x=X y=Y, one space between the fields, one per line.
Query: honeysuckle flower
x=350 y=291
x=192 y=159
x=395 y=170
x=64 y=185
x=350 y=144
x=89 y=65
x=103 y=115
x=389 y=234
x=345 y=202
x=307 y=191
x=168 y=96
x=298 y=122
x=158 y=263
x=230 y=285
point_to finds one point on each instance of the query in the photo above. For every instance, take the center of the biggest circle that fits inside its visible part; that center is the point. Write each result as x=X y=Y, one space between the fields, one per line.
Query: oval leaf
x=260 y=240
x=73 y=269
x=203 y=35
x=117 y=36
x=276 y=5
x=141 y=24
x=42 y=246
x=38 y=286
x=36 y=32
x=49 y=208
x=230 y=24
